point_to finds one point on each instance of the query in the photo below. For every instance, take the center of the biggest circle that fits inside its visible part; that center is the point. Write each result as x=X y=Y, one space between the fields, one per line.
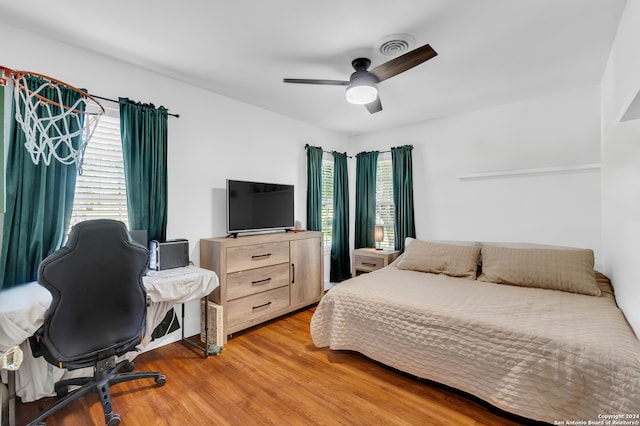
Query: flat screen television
x=258 y=206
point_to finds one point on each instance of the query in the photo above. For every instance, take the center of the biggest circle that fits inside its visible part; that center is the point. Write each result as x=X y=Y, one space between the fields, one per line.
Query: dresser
x=264 y=276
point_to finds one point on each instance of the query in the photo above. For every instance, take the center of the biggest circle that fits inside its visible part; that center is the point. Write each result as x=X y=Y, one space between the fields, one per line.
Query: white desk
x=22 y=311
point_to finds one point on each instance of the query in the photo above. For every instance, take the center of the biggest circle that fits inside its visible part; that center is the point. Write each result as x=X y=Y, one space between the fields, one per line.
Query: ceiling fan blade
x=312 y=81
x=374 y=106
x=403 y=62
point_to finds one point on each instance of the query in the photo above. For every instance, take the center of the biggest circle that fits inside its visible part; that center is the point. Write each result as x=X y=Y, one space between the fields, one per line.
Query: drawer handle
x=369 y=264
x=266 y=280
x=260 y=256
x=262 y=306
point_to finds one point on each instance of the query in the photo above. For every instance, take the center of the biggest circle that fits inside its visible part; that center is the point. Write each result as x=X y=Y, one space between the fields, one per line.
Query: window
x=327 y=199
x=385 y=212
x=100 y=190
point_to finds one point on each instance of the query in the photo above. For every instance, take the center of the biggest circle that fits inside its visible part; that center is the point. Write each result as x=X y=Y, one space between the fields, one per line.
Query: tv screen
x=258 y=206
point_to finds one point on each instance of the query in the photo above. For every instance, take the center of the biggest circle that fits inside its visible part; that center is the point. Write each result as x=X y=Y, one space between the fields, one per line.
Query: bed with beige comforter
x=537 y=352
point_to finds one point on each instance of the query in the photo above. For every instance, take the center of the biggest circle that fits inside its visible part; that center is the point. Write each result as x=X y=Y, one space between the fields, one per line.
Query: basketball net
x=50 y=126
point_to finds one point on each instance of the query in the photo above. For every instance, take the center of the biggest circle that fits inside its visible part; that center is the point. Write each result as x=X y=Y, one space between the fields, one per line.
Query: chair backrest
x=99 y=301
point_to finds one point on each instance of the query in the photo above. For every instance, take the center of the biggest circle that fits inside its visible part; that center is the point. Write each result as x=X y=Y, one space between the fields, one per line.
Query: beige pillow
x=569 y=270
x=453 y=260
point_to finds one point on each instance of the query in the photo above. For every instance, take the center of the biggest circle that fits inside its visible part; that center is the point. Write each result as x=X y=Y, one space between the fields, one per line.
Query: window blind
x=100 y=190
x=385 y=211
x=327 y=199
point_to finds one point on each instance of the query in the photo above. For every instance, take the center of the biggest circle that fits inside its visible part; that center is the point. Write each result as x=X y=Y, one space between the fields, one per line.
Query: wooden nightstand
x=370 y=259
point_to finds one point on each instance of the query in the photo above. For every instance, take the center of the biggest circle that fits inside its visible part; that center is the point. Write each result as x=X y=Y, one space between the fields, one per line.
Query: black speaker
x=168 y=254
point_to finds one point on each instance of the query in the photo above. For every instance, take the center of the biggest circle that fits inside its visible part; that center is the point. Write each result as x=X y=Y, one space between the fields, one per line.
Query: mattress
x=542 y=354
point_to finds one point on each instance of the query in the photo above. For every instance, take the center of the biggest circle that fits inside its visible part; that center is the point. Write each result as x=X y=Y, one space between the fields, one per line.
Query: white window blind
x=100 y=190
x=327 y=199
x=385 y=213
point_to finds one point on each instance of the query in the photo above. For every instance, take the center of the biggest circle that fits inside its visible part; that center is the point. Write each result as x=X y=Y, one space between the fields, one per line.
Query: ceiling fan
x=361 y=87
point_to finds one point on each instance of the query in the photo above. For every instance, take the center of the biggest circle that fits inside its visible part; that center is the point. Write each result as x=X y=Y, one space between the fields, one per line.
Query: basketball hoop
x=50 y=126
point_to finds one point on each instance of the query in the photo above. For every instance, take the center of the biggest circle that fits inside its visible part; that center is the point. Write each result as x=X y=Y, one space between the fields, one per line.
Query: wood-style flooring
x=273 y=375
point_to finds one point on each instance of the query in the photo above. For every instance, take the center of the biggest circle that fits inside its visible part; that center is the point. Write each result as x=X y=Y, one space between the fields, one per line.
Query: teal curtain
x=39 y=202
x=366 y=166
x=340 y=267
x=143 y=129
x=402 y=166
x=314 y=188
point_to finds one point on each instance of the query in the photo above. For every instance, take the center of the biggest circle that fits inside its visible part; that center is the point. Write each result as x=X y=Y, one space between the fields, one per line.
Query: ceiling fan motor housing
x=362 y=84
x=362 y=77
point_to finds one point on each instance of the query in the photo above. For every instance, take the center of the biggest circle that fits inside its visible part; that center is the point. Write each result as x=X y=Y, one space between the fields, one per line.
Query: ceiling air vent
x=395 y=45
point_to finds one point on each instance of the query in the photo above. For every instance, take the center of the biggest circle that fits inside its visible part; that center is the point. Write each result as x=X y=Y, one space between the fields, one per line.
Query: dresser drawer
x=369 y=263
x=257 y=255
x=251 y=281
x=258 y=305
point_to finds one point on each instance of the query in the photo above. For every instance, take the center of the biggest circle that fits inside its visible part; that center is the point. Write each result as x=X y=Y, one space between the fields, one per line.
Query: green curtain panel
x=340 y=266
x=143 y=129
x=402 y=166
x=39 y=202
x=314 y=188
x=3 y=119
x=366 y=166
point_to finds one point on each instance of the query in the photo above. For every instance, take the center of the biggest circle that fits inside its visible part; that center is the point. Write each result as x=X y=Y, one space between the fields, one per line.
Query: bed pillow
x=569 y=270
x=448 y=259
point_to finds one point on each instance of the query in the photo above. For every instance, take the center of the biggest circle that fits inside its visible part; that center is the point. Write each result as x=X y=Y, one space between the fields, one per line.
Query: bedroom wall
x=563 y=208
x=621 y=166
x=215 y=137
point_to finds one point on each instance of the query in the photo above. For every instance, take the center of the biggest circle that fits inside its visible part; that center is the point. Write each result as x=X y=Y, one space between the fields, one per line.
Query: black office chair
x=98 y=312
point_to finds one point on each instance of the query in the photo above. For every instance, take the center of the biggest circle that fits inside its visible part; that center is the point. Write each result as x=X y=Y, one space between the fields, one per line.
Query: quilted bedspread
x=543 y=354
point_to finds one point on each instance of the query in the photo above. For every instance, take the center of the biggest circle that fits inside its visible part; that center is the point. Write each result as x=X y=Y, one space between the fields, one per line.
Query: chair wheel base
x=160 y=381
x=114 y=420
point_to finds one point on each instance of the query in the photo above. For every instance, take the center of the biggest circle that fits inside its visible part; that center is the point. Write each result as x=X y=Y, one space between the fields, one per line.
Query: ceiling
x=490 y=52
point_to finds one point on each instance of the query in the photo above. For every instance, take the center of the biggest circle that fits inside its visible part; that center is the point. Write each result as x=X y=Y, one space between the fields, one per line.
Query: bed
x=534 y=331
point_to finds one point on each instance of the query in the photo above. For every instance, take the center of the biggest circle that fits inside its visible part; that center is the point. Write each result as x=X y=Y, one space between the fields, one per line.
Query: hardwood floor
x=272 y=375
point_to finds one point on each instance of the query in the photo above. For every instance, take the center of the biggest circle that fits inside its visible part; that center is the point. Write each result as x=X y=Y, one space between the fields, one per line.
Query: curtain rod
x=116 y=102
x=348 y=156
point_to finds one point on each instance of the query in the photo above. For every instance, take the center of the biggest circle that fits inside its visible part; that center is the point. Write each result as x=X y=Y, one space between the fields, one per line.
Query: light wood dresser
x=264 y=276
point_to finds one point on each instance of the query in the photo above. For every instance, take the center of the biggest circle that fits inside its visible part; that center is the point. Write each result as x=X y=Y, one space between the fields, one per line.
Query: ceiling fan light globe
x=361 y=94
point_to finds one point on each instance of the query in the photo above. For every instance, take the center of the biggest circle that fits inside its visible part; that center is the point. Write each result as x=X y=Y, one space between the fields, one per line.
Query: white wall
x=621 y=166
x=215 y=137
x=556 y=130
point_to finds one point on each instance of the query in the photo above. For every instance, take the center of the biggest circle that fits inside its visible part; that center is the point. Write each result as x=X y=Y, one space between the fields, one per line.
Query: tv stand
x=264 y=276
x=232 y=235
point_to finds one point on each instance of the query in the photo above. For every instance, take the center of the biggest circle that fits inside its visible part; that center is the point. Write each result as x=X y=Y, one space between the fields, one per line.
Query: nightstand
x=370 y=259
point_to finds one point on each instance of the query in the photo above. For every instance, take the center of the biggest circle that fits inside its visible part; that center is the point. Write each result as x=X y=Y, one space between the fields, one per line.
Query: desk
x=22 y=311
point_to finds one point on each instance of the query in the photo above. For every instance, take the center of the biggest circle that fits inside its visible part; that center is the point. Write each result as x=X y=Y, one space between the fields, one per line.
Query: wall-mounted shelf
x=531 y=172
